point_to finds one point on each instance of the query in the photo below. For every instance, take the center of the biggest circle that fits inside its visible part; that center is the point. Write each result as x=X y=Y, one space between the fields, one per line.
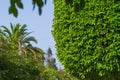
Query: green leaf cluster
x=18 y=4
x=88 y=38
x=13 y=7
x=15 y=67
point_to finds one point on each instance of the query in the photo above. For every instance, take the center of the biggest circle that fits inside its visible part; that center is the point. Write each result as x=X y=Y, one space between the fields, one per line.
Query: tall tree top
x=49 y=52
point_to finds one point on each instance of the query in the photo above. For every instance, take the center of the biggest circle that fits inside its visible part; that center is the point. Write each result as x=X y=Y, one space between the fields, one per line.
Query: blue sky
x=41 y=26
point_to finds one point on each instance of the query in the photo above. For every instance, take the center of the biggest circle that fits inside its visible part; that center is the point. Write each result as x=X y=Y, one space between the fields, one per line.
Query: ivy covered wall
x=87 y=35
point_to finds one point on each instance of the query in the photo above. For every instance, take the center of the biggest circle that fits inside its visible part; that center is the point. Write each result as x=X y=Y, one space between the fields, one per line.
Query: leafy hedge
x=87 y=35
x=15 y=67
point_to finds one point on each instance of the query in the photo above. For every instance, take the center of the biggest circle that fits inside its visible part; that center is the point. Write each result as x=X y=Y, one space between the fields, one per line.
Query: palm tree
x=3 y=42
x=19 y=38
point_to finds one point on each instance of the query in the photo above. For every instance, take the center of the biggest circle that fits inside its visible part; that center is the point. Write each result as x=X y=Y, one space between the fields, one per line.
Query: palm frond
x=23 y=29
x=38 y=50
x=11 y=26
x=5 y=29
x=29 y=39
x=25 y=35
x=16 y=28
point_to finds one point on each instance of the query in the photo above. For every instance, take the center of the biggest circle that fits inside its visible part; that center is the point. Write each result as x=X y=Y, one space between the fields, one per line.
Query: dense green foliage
x=26 y=66
x=15 y=67
x=88 y=38
x=20 y=60
x=18 y=4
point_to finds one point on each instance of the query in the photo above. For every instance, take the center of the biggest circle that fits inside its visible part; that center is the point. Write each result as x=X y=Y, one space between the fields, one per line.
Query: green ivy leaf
x=19 y=4
x=15 y=12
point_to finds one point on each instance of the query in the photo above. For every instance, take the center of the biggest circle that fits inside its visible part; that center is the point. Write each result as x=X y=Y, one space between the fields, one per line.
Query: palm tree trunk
x=20 y=47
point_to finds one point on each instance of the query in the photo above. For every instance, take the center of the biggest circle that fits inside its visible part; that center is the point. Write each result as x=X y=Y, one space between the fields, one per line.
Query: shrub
x=87 y=35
